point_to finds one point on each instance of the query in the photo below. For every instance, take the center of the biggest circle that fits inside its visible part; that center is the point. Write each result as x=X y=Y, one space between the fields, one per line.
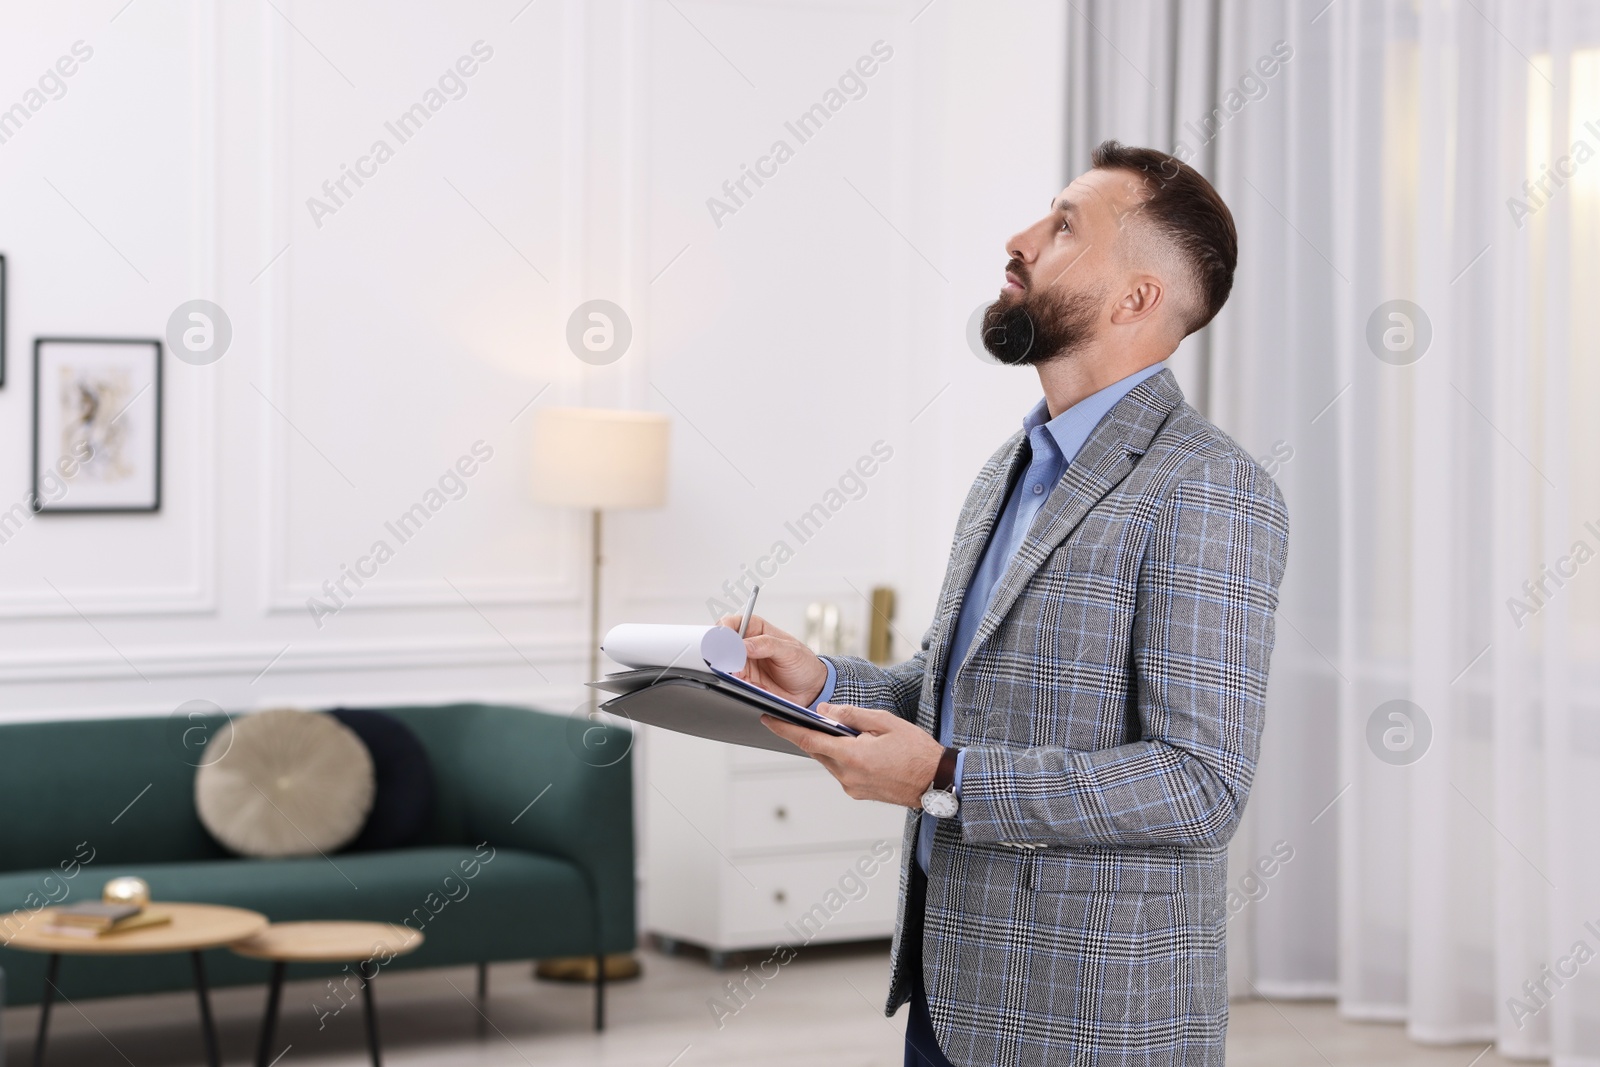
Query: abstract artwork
x=96 y=424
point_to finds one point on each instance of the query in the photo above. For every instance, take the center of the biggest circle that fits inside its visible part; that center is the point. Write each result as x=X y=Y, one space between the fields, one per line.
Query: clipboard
x=711 y=704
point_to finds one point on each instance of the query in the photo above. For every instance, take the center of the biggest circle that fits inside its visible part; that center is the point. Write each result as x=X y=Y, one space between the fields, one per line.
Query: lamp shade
x=600 y=458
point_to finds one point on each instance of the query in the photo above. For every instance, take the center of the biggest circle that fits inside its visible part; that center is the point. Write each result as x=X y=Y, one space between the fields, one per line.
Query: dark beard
x=1038 y=327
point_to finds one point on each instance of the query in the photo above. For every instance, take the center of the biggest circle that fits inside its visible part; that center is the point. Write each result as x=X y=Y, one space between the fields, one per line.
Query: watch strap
x=944 y=778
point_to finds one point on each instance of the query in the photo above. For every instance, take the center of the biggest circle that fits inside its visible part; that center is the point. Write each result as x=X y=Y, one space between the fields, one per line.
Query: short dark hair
x=1184 y=209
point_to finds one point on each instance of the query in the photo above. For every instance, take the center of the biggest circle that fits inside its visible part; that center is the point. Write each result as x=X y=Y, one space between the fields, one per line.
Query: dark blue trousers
x=922 y=1047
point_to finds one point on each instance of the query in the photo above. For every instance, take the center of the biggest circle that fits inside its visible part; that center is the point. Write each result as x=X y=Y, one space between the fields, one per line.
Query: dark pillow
x=404 y=801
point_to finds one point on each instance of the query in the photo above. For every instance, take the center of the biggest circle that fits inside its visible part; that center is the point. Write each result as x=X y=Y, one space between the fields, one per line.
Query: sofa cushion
x=470 y=904
x=403 y=802
x=285 y=782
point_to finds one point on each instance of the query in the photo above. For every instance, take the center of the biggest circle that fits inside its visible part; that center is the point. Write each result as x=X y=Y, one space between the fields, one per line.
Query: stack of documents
x=684 y=679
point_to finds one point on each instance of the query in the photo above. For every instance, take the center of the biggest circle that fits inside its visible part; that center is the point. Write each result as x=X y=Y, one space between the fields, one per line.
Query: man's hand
x=778 y=662
x=892 y=760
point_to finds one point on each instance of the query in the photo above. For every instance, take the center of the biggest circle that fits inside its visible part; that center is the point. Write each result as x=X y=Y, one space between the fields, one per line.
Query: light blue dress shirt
x=1055 y=443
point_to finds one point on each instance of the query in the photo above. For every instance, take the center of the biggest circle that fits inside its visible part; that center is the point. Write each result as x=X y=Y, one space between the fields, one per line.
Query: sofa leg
x=599 y=991
x=483 y=999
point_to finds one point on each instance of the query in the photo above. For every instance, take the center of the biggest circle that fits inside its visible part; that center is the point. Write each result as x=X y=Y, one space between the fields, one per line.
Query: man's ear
x=1139 y=303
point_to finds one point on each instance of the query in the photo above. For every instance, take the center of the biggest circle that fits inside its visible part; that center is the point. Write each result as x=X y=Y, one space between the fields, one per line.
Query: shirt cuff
x=955 y=785
x=827 y=687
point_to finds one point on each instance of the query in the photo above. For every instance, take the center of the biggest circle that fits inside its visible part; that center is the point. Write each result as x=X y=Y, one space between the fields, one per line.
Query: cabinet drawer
x=848 y=894
x=804 y=811
x=743 y=760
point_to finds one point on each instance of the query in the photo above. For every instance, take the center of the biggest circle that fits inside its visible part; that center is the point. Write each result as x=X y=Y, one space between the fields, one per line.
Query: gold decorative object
x=879 y=639
x=620 y=966
x=126 y=890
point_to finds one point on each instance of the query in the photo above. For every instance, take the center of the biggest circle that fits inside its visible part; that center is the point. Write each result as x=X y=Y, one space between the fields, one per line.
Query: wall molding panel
x=197 y=472
x=825 y=315
x=254 y=660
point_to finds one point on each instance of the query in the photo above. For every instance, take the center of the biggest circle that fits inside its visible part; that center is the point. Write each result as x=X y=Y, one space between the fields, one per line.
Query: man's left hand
x=892 y=760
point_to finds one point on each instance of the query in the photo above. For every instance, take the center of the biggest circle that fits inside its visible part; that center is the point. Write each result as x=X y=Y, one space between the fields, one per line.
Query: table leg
x=269 y=1022
x=208 y=1029
x=599 y=991
x=372 y=1022
x=52 y=970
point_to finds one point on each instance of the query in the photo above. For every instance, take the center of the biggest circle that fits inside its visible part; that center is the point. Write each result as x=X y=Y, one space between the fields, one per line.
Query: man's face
x=1064 y=272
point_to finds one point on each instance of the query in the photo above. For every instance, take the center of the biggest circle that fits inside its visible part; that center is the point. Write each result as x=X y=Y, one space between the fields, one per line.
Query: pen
x=749 y=610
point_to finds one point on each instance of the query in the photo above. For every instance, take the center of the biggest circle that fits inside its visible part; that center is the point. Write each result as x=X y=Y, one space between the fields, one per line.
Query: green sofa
x=493 y=878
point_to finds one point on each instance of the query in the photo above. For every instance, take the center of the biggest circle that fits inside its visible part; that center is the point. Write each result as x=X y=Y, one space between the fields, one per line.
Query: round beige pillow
x=285 y=783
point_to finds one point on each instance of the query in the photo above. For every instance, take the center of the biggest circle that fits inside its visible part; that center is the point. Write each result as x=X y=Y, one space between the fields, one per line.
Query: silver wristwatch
x=940 y=800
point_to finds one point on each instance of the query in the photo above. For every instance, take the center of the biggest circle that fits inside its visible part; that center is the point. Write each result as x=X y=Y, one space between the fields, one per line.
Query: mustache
x=1016 y=267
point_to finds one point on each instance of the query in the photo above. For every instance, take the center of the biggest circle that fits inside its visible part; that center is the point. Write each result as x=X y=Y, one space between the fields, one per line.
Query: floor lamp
x=601 y=460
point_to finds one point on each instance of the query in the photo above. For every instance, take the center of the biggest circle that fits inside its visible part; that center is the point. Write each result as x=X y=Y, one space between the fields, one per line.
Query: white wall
x=372 y=350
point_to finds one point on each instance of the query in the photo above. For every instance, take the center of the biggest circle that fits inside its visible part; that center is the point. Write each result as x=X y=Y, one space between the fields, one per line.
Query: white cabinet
x=749 y=849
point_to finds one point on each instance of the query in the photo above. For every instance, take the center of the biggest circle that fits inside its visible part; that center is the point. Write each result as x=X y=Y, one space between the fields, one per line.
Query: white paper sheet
x=635 y=644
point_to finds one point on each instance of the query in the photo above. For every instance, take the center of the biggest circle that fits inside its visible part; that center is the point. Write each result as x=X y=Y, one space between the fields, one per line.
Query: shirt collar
x=1072 y=427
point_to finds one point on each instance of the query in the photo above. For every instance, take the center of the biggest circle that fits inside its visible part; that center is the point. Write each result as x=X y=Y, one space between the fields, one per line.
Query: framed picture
x=96 y=424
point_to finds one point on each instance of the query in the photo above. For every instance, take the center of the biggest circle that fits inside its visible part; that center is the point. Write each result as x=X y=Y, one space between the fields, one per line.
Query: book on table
x=684 y=678
x=93 y=918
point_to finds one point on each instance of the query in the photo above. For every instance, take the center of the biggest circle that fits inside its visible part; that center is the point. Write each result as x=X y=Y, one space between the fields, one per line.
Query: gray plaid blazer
x=1111 y=709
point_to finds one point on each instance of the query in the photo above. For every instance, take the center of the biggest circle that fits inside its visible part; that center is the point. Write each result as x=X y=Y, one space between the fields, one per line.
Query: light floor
x=823 y=1008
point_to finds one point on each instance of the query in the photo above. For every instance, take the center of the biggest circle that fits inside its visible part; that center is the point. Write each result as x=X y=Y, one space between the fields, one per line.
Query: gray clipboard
x=707 y=705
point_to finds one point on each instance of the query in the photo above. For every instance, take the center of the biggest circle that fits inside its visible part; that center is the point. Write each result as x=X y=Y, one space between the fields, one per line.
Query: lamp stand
x=594 y=596
x=619 y=966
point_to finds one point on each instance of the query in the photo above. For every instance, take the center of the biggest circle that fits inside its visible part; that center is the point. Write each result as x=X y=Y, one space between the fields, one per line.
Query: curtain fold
x=1411 y=350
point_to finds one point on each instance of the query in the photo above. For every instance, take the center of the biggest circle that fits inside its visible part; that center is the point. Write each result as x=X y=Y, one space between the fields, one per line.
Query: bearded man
x=1077 y=735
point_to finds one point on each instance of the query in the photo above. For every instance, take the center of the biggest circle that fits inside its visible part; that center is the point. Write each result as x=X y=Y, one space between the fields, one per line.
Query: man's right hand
x=778 y=662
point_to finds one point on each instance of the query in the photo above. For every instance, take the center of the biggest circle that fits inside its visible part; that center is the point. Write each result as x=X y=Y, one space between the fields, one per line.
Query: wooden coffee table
x=193 y=929
x=369 y=945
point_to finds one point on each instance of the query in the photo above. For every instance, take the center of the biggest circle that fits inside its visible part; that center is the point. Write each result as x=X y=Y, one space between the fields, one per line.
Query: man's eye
x=1066 y=227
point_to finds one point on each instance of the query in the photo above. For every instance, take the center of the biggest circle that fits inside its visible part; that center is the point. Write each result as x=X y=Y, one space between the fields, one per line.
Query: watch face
x=940 y=804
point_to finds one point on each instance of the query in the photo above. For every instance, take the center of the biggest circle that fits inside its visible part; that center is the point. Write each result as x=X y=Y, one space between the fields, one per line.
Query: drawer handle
x=779 y=896
x=780 y=813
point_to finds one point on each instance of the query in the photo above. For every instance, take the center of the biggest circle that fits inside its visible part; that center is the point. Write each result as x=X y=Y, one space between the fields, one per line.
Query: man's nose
x=1022 y=246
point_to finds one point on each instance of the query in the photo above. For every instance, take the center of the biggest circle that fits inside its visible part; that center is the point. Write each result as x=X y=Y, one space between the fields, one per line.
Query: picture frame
x=5 y=322
x=96 y=425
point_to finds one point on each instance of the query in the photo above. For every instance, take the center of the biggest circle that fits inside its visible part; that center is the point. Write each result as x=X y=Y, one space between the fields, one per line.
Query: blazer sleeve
x=1202 y=639
x=866 y=685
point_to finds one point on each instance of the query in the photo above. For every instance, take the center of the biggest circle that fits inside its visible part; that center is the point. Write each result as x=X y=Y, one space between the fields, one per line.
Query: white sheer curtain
x=1412 y=347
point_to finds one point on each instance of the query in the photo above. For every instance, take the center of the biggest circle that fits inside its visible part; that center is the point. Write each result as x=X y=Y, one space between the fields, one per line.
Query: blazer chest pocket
x=1063 y=872
x=1080 y=555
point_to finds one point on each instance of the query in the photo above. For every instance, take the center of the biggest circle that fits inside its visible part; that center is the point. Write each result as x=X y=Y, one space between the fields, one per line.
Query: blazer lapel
x=982 y=511
x=1104 y=460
